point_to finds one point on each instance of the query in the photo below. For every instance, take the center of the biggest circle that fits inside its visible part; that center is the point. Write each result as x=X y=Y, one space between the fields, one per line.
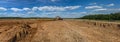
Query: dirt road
x=59 y=31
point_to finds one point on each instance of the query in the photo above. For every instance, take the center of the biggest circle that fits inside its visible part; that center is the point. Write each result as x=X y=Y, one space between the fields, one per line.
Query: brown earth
x=32 y=30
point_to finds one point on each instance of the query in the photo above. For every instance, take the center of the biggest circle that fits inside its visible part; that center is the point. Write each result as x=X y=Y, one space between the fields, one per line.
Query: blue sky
x=52 y=8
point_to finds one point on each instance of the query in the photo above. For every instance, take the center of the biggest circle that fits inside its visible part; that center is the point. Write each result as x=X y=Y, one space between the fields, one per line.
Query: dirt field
x=32 y=30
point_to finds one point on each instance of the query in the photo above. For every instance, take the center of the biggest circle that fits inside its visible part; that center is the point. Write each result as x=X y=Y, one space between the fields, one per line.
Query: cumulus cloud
x=110 y=4
x=113 y=10
x=26 y=9
x=51 y=8
x=3 y=9
x=107 y=10
x=16 y=9
x=55 y=8
x=35 y=8
x=45 y=8
x=30 y=12
x=72 y=7
x=93 y=7
x=102 y=9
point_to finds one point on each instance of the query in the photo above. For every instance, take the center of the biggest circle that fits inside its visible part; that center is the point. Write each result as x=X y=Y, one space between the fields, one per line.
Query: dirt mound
x=58 y=31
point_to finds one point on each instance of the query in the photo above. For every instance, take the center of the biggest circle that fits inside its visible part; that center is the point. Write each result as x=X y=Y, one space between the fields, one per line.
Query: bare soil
x=35 y=30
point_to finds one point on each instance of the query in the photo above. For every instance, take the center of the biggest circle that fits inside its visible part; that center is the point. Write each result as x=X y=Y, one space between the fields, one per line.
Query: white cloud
x=107 y=10
x=30 y=12
x=3 y=9
x=16 y=9
x=26 y=9
x=102 y=9
x=46 y=8
x=72 y=7
x=55 y=8
x=93 y=7
x=119 y=9
x=111 y=5
x=35 y=8
x=51 y=8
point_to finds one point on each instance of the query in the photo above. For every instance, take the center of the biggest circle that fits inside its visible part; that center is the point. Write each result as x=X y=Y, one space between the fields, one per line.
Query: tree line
x=112 y=16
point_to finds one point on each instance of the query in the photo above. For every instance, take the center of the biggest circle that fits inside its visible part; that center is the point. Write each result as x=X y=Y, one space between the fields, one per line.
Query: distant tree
x=112 y=16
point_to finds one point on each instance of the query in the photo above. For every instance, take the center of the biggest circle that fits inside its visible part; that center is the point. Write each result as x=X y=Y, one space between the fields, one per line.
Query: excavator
x=58 y=18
